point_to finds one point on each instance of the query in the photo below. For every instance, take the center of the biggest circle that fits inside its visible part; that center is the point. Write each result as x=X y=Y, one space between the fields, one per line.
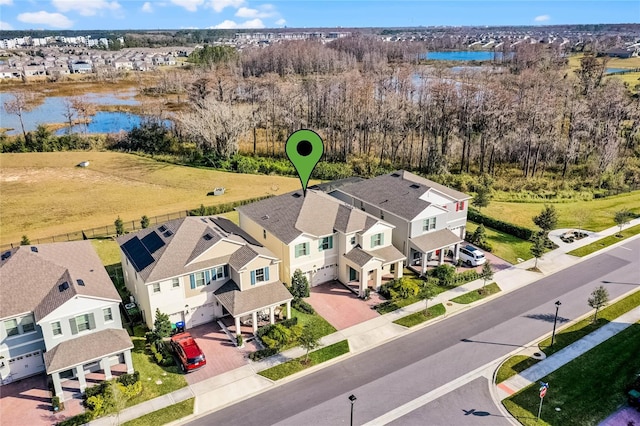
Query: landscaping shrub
x=445 y=274
x=399 y=289
x=161 y=353
x=79 y=420
x=132 y=390
x=303 y=306
x=95 y=390
x=129 y=379
x=262 y=353
x=222 y=208
x=239 y=340
x=509 y=228
x=56 y=405
x=466 y=276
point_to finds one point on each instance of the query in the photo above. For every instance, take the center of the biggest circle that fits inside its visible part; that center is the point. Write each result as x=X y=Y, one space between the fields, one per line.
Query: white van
x=472 y=256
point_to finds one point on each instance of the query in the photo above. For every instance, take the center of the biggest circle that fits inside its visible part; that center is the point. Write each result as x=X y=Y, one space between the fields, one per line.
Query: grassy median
x=606 y=241
x=478 y=294
x=296 y=365
x=164 y=415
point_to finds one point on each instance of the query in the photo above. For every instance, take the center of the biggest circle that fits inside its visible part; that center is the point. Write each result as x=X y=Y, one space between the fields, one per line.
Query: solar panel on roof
x=137 y=253
x=6 y=255
x=152 y=242
x=207 y=237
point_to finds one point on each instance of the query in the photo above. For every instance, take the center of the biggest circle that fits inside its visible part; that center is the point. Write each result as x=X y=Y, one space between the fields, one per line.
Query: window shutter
x=193 y=281
x=307 y=250
x=92 y=322
x=226 y=270
x=74 y=327
x=373 y=240
x=381 y=239
x=331 y=242
x=266 y=273
x=457 y=206
x=207 y=277
x=462 y=205
x=253 y=277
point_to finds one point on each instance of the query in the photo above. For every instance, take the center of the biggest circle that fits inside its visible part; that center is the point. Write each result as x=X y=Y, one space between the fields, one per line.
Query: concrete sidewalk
x=244 y=382
x=562 y=357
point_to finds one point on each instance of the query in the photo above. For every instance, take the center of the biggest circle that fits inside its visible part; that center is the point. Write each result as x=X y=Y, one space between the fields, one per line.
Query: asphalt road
x=403 y=370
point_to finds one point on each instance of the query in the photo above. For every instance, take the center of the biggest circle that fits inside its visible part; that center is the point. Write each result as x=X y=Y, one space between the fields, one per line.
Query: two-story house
x=429 y=218
x=325 y=238
x=59 y=314
x=199 y=269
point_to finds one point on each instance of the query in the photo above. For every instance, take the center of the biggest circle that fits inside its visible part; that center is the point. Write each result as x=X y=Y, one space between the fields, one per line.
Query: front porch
x=433 y=249
x=368 y=269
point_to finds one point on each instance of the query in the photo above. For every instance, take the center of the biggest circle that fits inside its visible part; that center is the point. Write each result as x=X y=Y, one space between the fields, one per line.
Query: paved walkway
x=244 y=382
x=548 y=365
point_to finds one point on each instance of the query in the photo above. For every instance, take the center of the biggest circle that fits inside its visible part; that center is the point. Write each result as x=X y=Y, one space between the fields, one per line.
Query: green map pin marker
x=304 y=149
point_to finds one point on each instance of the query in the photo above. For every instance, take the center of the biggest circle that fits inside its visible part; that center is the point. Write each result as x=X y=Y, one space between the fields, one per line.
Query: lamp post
x=555 y=320
x=352 y=398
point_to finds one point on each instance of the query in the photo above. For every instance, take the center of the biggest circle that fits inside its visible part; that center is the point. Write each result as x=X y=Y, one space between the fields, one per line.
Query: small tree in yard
x=309 y=338
x=119 y=224
x=538 y=248
x=482 y=198
x=119 y=399
x=427 y=292
x=622 y=217
x=299 y=285
x=487 y=274
x=479 y=235
x=144 y=222
x=162 y=325
x=547 y=219
x=25 y=241
x=599 y=298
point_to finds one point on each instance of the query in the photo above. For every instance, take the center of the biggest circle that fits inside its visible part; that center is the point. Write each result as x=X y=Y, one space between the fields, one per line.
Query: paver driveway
x=339 y=306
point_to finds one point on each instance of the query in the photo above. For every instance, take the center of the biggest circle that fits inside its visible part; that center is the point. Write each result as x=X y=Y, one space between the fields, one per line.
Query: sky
x=230 y=14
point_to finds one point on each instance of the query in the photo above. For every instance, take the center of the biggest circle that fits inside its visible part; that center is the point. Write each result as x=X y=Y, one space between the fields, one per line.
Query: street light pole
x=352 y=398
x=555 y=320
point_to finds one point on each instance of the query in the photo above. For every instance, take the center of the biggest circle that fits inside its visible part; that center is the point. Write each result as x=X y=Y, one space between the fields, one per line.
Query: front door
x=353 y=274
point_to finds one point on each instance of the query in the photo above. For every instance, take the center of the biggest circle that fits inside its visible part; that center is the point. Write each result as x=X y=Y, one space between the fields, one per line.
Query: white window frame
x=219 y=273
x=199 y=279
x=260 y=276
x=32 y=323
x=304 y=252
x=378 y=240
x=58 y=329
x=16 y=327
x=326 y=243
x=104 y=314
x=156 y=287
x=175 y=283
x=88 y=323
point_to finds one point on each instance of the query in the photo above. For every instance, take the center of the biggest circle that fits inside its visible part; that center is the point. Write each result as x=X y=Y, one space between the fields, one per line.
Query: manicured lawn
x=599 y=217
x=505 y=246
x=45 y=194
x=420 y=317
x=394 y=305
x=295 y=365
x=514 y=365
x=580 y=329
x=324 y=328
x=605 y=242
x=587 y=389
x=150 y=372
x=474 y=295
x=164 y=415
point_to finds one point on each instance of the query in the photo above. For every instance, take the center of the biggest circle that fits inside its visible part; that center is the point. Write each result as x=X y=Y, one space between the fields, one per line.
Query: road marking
x=506 y=388
x=410 y=406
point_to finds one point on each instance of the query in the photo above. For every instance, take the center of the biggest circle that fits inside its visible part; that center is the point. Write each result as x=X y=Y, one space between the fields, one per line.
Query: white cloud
x=55 y=20
x=542 y=18
x=281 y=21
x=220 y=5
x=229 y=25
x=263 y=11
x=146 y=7
x=190 y=5
x=6 y=2
x=85 y=7
x=5 y=26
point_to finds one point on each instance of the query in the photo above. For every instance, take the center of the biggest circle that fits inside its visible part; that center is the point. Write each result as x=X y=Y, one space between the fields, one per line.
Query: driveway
x=221 y=354
x=28 y=402
x=339 y=306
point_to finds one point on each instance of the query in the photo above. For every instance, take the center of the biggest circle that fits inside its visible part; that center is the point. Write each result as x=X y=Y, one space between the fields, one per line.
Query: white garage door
x=26 y=365
x=175 y=317
x=201 y=315
x=323 y=274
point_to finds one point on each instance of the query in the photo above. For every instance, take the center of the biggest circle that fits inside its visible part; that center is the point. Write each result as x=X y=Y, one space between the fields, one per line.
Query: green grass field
x=505 y=246
x=599 y=214
x=605 y=242
x=45 y=194
x=587 y=389
x=514 y=365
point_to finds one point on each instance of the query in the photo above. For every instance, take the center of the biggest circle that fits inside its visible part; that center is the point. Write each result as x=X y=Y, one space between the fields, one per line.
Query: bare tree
x=19 y=105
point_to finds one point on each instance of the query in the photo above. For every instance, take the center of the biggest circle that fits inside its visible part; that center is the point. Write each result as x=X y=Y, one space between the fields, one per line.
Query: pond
x=53 y=108
x=462 y=55
x=612 y=70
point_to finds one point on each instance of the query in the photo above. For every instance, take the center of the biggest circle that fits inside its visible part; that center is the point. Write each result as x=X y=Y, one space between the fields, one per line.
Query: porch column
x=81 y=379
x=397 y=274
x=364 y=278
x=288 y=309
x=254 y=322
x=456 y=252
x=57 y=386
x=238 y=332
x=128 y=361
x=441 y=257
x=105 y=365
x=272 y=315
x=424 y=263
x=377 y=278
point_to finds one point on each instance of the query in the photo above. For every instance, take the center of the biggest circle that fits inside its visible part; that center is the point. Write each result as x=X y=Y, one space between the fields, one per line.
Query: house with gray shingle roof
x=429 y=218
x=59 y=314
x=325 y=238
x=200 y=269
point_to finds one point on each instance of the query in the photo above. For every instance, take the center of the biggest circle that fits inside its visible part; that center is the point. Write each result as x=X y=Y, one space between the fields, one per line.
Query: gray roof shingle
x=399 y=193
x=86 y=348
x=435 y=240
x=358 y=256
x=30 y=279
x=242 y=302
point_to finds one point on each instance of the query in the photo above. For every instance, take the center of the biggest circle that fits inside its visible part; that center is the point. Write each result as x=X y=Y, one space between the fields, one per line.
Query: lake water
x=53 y=108
x=462 y=55
x=612 y=70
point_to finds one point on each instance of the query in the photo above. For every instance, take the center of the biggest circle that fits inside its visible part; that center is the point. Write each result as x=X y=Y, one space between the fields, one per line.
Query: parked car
x=188 y=352
x=472 y=256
